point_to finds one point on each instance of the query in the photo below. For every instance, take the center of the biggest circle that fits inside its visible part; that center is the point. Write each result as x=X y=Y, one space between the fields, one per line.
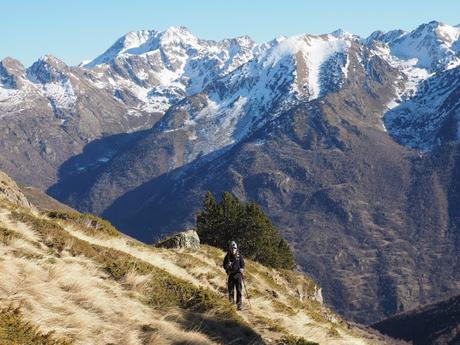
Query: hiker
x=234 y=266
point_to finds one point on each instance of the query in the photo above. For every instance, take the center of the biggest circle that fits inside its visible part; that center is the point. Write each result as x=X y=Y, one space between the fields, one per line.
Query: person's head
x=233 y=247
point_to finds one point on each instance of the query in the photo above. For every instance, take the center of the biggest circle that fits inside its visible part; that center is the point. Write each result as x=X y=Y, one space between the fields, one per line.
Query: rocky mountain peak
x=145 y=41
x=240 y=41
x=11 y=73
x=431 y=46
x=445 y=34
x=178 y=35
x=160 y=68
x=385 y=37
x=131 y=40
x=340 y=33
x=309 y=53
x=11 y=63
x=48 y=69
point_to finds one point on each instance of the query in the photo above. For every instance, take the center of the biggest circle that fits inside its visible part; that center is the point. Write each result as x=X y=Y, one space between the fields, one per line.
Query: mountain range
x=350 y=144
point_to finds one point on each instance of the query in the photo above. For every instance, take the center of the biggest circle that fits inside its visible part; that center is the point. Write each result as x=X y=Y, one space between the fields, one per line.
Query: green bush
x=6 y=235
x=333 y=333
x=292 y=340
x=220 y=223
x=89 y=223
x=15 y=331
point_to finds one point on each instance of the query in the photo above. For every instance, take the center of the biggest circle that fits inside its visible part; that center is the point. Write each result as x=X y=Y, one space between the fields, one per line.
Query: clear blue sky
x=77 y=30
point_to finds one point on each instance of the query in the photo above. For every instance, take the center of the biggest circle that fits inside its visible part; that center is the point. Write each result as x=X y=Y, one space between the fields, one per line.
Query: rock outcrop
x=187 y=239
x=10 y=191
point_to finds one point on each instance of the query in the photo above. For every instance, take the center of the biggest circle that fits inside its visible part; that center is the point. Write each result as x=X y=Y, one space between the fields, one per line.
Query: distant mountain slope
x=228 y=110
x=435 y=324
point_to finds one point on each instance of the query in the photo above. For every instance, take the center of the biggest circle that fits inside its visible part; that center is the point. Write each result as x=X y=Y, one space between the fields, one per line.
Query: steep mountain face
x=432 y=46
x=430 y=118
x=437 y=323
x=319 y=130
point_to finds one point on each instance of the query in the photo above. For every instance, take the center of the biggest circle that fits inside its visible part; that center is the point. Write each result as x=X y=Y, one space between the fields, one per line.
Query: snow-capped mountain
x=245 y=84
x=283 y=73
x=434 y=46
x=53 y=78
x=429 y=59
x=160 y=68
x=432 y=116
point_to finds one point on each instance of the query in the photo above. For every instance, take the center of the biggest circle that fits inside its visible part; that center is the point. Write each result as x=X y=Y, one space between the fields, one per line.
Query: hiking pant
x=235 y=280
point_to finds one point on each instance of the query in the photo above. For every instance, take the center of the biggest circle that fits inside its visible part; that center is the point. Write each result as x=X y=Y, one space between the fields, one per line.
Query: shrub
x=14 y=330
x=89 y=223
x=333 y=333
x=220 y=223
x=6 y=235
x=292 y=340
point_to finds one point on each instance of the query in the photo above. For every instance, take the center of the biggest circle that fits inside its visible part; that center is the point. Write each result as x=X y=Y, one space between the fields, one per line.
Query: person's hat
x=233 y=245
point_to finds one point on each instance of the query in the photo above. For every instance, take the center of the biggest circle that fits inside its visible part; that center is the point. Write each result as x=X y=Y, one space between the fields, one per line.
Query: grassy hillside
x=69 y=278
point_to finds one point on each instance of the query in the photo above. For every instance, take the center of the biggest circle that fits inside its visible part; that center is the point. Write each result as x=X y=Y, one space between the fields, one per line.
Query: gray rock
x=186 y=239
x=11 y=192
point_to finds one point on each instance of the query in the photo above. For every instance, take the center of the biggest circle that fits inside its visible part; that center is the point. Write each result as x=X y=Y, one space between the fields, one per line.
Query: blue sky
x=77 y=30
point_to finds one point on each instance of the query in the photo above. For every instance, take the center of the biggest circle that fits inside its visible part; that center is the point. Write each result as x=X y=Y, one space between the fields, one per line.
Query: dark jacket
x=233 y=263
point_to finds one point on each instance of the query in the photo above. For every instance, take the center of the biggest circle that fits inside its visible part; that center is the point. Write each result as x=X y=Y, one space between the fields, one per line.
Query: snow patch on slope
x=60 y=95
x=315 y=49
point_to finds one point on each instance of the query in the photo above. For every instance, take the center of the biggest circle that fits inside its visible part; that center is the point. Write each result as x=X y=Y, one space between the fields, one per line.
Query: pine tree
x=220 y=223
x=208 y=221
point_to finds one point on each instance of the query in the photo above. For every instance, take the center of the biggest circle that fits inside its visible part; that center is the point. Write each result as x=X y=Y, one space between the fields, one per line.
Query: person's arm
x=226 y=263
x=241 y=263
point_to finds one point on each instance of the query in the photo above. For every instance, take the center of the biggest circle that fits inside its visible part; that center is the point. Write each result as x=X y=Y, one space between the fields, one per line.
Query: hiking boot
x=239 y=307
